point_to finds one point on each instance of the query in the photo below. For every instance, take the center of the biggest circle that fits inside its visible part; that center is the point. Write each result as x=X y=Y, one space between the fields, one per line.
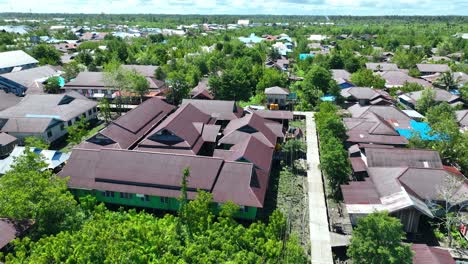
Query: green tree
x=46 y=54
x=77 y=131
x=105 y=110
x=72 y=69
x=464 y=92
x=426 y=101
x=378 y=239
x=36 y=142
x=270 y=78
x=178 y=87
x=274 y=54
x=28 y=191
x=367 y=78
x=52 y=85
x=136 y=83
x=293 y=149
x=446 y=81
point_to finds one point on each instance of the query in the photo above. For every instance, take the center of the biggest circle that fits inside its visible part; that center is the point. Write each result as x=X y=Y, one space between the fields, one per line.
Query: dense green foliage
x=132 y=237
x=28 y=191
x=52 y=85
x=333 y=156
x=377 y=239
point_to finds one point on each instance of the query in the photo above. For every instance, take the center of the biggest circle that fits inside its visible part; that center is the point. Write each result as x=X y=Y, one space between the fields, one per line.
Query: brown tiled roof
x=424 y=254
x=384 y=111
x=373 y=125
x=145 y=70
x=433 y=67
x=221 y=110
x=6 y=139
x=97 y=80
x=184 y=123
x=358 y=164
x=362 y=192
x=160 y=174
x=10 y=230
x=254 y=121
x=399 y=78
x=276 y=115
x=201 y=91
x=133 y=125
x=8 y=100
x=399 y=157
x=363 y=137
x=440 y=96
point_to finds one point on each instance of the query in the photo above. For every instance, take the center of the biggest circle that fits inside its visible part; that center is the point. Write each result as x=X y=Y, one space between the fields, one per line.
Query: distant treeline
x=228 y=19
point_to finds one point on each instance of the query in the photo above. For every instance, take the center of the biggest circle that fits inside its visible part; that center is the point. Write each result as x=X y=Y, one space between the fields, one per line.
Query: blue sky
x=276 y=7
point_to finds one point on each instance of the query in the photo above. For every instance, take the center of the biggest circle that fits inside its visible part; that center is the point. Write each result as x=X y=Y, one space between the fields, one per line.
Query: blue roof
x=61 y=81
x=421 y=128
x=304 y=56
x=328 y=98
x=251 y=39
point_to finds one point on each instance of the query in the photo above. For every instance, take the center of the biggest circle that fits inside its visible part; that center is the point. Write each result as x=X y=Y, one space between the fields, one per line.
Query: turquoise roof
x=251 y=39
x=304 y=56
x=421 y=128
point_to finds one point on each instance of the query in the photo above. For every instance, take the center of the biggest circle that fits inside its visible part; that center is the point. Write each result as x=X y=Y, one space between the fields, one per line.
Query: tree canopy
x=377 y=239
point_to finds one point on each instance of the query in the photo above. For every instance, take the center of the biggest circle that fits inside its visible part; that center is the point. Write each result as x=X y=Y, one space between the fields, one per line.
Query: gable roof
x=276 y=90
x=399 y=157
x=98 y=79
x=399 y=78
x=275 y=115
x=382 y=66
x=6 y=139
x=8 y=100
x=134 y=172
x=48 y=106
x=15 y=58
x=187 y=123
x=339 y=74
x=373 y=124
x=132 y=126
x=11 y=229
x=424 y=254
x=386 y=112
x=31 y=79
x=145 y=70
x=440 y=96
x=433 y=67
x=221 y=110
x=201 y=91
x=254 y=121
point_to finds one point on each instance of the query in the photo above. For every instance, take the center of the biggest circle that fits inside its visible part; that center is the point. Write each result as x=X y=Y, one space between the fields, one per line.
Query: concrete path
x=318 y=221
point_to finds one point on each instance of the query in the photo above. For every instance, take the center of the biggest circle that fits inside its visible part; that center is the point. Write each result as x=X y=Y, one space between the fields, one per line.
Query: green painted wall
x=155 y=202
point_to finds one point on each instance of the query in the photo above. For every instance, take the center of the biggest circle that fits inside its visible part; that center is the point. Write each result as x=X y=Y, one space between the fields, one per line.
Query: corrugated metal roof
x=424 y=254
x=15 y=58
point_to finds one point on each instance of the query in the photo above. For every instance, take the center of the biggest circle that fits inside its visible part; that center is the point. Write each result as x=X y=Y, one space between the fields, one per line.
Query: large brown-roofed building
x=181 y=132
x=147 y=149
x=220 y=110
x=128 y=129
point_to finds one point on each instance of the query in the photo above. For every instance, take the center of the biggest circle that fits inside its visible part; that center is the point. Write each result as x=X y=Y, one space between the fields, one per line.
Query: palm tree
x=447 y=81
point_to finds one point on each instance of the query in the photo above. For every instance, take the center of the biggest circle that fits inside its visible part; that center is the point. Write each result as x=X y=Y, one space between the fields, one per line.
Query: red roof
x=424 y=254
x=187 y=123
x=160 y=174
x=362 y=192
x=133 y=125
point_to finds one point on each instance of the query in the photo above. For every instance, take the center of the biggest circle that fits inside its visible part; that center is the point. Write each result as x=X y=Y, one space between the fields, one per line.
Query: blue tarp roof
x=328 y=98
x=304 y=56
x=421 y=128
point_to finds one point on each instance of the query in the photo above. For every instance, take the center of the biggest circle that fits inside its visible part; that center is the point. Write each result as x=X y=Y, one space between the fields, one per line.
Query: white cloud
x=287 y=7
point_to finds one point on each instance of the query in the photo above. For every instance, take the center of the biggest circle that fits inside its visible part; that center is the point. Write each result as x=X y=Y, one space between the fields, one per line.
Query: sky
x=242 y=7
